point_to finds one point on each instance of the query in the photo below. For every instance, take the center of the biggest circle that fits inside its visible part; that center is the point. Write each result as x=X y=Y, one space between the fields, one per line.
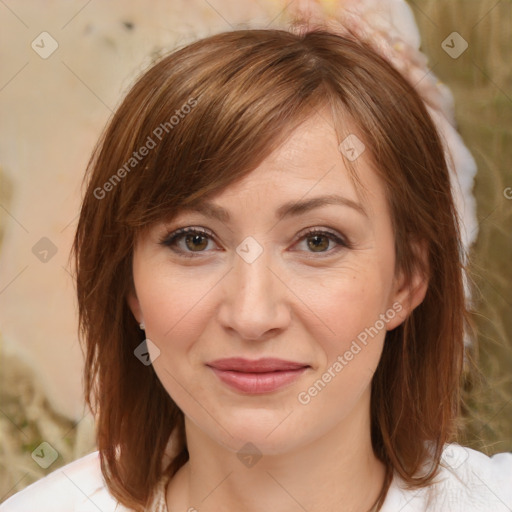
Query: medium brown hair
x=246 y=91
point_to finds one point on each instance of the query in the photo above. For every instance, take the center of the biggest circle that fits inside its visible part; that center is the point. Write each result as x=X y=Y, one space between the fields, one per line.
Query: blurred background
x=64 y=67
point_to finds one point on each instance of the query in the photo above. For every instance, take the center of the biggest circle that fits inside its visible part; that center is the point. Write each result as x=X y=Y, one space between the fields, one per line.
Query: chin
x=269 y=431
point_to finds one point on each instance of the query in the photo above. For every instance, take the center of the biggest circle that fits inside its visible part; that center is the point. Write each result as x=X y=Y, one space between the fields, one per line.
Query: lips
x=268 y=364
x=257 y=376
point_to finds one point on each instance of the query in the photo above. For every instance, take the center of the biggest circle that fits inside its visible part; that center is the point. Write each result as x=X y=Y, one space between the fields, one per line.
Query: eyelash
x=171 y=239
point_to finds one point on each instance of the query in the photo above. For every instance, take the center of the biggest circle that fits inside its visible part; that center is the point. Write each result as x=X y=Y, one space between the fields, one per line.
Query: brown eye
x=187 y=241
x=318 y=243
x=322 y=242
x=196 y=242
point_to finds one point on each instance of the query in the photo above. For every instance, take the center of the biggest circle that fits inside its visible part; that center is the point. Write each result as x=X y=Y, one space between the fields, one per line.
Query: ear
x=408 y=294
x=134 y=305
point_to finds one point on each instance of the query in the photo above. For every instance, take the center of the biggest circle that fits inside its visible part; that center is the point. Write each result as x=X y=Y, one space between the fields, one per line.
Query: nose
x=255 y=301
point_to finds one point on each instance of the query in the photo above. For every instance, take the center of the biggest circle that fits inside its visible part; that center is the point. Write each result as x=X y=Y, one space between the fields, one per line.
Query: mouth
x=257 y=376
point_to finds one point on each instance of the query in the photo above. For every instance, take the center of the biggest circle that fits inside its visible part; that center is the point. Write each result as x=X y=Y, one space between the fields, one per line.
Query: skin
x=293 y=302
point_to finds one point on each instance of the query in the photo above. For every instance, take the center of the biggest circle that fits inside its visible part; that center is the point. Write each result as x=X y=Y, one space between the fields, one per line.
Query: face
x=311 y=286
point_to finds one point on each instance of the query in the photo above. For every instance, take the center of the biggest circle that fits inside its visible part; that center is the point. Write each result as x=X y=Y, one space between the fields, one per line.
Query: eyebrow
x=292 y=208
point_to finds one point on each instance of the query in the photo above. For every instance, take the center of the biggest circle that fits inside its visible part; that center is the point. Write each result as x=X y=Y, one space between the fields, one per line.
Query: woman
x=271 y=296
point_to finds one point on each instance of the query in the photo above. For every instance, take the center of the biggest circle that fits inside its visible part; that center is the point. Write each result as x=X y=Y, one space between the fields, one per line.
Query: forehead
x=310 y=169
x=300 y=180
x=312 y=162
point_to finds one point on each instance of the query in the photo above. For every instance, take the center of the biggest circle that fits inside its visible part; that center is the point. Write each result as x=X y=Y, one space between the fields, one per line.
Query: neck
x=336 y=471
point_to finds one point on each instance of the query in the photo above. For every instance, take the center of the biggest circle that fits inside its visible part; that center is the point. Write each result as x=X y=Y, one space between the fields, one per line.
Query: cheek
x=174 y=308
x=352 y=304
x=173 y=304
x=351 y=344
x=348 y=301
x=353 y=352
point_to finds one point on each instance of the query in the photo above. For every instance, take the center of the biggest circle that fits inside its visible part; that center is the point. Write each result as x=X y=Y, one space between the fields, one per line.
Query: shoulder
x=78 y=487
x=468 y=481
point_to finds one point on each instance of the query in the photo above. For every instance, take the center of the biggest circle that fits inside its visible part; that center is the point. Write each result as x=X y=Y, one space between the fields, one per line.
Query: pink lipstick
x=257 y=376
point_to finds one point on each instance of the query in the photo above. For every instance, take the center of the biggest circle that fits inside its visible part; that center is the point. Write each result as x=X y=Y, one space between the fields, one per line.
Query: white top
x=469 y=481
